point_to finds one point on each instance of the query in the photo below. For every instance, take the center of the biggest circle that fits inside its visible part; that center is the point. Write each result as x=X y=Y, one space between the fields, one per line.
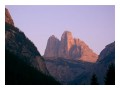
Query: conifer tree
x=94 y=80
x=110 y=75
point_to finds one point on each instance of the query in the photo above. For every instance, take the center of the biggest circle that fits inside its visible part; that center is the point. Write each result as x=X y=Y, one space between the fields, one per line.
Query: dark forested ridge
x=110 y=75
x=17 y=72
x=94 y=80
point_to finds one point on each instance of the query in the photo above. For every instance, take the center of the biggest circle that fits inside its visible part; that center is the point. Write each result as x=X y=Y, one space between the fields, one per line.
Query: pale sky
x=95 y=25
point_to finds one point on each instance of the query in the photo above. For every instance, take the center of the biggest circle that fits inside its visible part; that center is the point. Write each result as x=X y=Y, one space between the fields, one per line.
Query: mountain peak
x=8 y=18
x=66 y=31
x=53 y=37
x=52 y=47
x=69 y=48
x=66 y=35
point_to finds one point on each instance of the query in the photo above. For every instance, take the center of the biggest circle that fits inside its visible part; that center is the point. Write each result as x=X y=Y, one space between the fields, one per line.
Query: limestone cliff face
x=66 y=43
x=8 y=18
x=69 y=48
x=52 y=47
x=81 y=51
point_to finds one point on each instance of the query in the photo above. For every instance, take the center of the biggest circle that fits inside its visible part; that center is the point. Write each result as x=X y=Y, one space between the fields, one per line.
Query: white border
x=59 y=2
x=2 y=44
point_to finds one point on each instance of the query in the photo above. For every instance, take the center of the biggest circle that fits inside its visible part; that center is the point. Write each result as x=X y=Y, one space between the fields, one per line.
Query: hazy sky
x=95 y=25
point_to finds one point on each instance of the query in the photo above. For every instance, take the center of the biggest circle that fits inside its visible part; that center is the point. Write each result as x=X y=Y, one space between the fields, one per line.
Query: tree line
x=109 y=78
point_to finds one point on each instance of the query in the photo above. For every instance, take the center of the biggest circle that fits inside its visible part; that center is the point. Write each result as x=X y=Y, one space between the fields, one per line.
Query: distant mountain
x=69 y=48
x=78 y=72
x=21 y=52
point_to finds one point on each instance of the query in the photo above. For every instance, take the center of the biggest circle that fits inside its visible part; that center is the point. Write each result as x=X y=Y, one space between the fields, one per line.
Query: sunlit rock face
x=66 y=44
x=81 y=51
x=8 y=18
x=69 y=48
x=52 y=47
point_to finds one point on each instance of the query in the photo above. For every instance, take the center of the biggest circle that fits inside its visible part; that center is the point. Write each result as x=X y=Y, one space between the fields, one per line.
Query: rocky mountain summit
x=69 y=48
x=70 y=60
x=52 y=47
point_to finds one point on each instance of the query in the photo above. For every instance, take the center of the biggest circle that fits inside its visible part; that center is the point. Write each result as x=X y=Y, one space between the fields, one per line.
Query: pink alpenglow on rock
x=69 y=48
x=52 y=47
